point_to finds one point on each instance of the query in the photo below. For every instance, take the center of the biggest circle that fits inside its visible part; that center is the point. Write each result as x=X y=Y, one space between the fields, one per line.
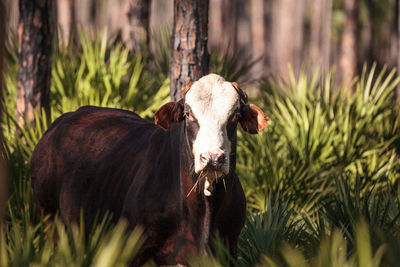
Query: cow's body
x=115 y=161
x=101 y=159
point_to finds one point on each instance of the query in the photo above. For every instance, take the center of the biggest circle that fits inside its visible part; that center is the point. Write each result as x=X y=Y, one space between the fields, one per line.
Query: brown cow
x=176 y=178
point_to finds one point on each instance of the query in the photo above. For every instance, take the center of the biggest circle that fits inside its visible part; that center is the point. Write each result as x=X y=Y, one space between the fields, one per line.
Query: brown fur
x=101 y=159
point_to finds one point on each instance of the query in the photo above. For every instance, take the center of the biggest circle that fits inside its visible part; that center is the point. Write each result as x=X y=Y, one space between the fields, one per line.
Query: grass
x=322 y=182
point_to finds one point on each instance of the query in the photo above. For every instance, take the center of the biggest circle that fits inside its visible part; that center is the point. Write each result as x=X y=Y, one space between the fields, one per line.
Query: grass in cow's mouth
x=322 y=184
x=199 y=178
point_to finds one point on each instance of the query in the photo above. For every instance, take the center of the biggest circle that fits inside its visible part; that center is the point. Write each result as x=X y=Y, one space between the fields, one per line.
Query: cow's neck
x=201 y=209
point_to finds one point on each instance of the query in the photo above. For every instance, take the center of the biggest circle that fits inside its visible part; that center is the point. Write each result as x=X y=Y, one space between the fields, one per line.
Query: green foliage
x=56 y=244
x=264 y=232
x=318 y=132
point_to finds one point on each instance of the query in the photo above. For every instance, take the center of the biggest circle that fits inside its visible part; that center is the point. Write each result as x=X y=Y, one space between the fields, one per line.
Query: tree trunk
x=3 y=182
x=224 y=17
x=67 y=20
x=288 y=36
x=136 y=31
x=257 y=35
x=320 y=37
x=84 y=17
x=367 y=53
x=268 y=42
x=397 y=32
x=189 y=55
x=348 y=55
x=35 y=32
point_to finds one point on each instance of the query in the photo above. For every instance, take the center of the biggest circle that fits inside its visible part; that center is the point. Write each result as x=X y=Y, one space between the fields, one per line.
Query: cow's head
x=211 y=110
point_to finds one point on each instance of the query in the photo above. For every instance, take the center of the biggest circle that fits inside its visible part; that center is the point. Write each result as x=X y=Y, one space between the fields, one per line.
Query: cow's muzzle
x=212 y=161
x=212 y=166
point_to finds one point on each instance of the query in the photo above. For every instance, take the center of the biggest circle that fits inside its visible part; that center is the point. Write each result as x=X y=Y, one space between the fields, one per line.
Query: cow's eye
x=235 y=117
x=189 y=116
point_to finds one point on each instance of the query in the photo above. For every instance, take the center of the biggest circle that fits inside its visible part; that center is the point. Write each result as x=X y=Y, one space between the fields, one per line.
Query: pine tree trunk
x=136 y=31
x=3 y=182
x=257 y=35
x=84 y=16
x=397 y=29
x=35 y=31
x=366 y=42
x=288 y=36
x=268 y=42
x=348 y=55
x=67 y=20
x=223 y=30
x=189 y=55
x=320 y=29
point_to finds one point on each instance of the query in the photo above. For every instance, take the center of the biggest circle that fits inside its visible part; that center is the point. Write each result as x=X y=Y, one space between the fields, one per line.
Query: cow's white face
x=212 y=104
x=211 y=110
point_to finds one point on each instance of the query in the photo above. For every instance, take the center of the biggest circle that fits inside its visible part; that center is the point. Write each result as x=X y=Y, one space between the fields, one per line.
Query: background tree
x=348 y=52
x=189 y=55
x=257 y=34
x=66 y=13
x=137 y=28
x=224 y=21
x=397 y=44
x=3 y=190
x=320 y=33
x=268 y=43
x=35 y=32
x=287 y=35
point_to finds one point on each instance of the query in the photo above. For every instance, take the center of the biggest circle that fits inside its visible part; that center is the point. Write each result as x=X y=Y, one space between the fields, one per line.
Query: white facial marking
x=212 y=101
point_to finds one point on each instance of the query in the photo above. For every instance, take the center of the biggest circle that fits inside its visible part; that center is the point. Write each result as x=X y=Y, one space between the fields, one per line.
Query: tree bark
x=348 y=55
x=268 y=42
x=288 y=36
x=136 y=31
x=257 y=35
x=3 y=180
x=67 y=20
x=35 y=32
x=189 y=55
x=320 y=33
x=224 y=17
x=397 y=33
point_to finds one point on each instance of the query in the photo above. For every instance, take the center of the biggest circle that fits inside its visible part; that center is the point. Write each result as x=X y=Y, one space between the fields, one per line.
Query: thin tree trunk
x=67 y=20
x=35 y=32
x=397 y=30
x=84 y=17
x=3 y=182
x=189 y=55
x=348 y=55
x=136 y=32
x=224 y=17
x=288 y=36
x=268 y=42
x=320 y=36
x=367 y=55
x=257 y=33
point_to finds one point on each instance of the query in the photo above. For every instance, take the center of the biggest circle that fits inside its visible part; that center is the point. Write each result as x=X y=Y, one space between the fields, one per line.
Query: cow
x=175 y=177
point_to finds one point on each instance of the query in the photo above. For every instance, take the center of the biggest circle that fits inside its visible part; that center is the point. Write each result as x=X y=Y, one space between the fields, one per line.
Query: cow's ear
x=168 y=114
x=252 y=119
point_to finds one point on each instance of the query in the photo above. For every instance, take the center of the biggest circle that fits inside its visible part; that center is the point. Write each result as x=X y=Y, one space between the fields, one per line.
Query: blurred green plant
x=318 y=132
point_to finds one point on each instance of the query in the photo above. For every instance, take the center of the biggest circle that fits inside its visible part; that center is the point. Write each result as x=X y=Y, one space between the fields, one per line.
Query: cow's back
x=87 y=160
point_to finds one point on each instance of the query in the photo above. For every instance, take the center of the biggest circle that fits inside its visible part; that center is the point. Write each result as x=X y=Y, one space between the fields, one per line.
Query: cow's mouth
x=209 y=178
x=209 y=183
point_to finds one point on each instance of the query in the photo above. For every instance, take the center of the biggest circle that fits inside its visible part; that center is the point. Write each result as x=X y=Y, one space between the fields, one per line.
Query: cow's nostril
x=204 y=158
x=221 y=159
